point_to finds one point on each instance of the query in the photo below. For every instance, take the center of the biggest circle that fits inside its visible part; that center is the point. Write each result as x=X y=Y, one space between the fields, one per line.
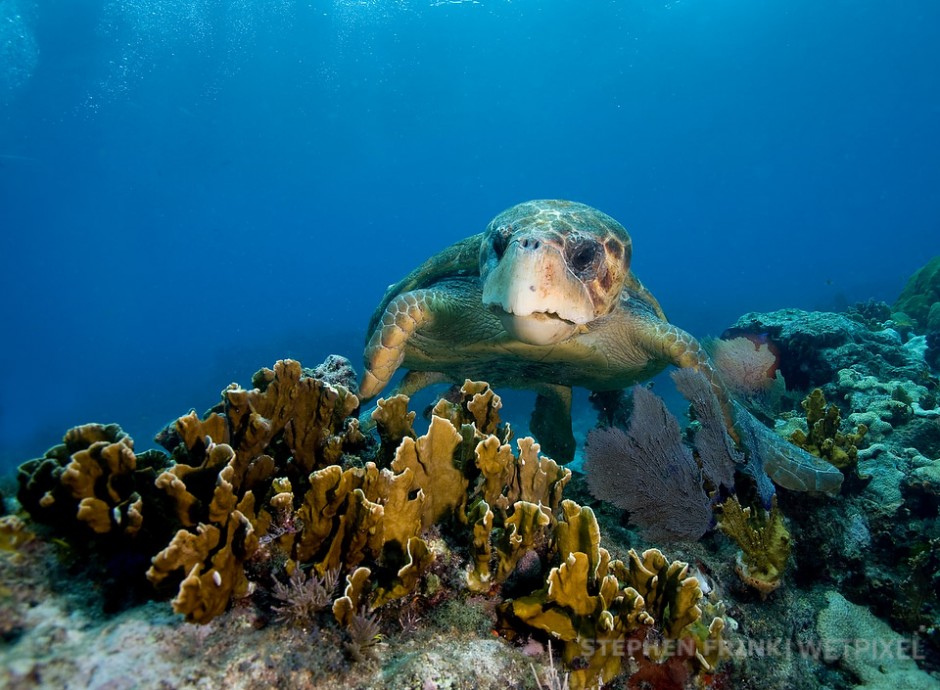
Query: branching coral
x=313 y=416
x=93 y=476
x=432 y=460
x=764 y=543
x=476 y=404
x=513 y=507
x=212 y=558
x=824 y=438
x=394 y=422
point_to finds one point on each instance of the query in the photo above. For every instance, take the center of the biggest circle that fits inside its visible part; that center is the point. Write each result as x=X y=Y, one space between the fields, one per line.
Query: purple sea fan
x=716 y=450
x=649 y=472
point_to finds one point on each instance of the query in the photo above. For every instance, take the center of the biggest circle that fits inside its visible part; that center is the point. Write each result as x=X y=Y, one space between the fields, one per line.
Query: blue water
x=190 y=190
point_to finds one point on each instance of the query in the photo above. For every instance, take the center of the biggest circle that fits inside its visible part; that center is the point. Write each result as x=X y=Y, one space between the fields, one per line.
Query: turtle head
x=548 y=268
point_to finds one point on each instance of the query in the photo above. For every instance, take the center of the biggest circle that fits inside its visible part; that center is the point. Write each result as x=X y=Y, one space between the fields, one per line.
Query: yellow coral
x=578 y=531
x=478 y=406
x=13 y=533
x=597 y=606
x=393 y=422
x=194 y=431
x=671 y=596
x=431 y=458
x=354 y=596
x=311 y=413
x=480 y=517
x=212 y=562
x=764 y=543
x=364 y=514
x=174 y=482
x=519 y=534
x=824 y=439
x=419 y=559
x=514 y=502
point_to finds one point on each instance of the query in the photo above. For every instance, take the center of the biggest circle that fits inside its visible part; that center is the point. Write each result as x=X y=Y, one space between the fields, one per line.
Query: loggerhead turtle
x=543 y=299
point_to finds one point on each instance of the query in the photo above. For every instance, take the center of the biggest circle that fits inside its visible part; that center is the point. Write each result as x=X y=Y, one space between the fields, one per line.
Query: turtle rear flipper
x=551 y=422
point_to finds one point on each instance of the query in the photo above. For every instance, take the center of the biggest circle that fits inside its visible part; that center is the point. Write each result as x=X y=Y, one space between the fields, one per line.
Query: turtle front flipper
x=677 y=347
x=787 y=465
x=460 y=258
x=551 y=422
x=385 y=351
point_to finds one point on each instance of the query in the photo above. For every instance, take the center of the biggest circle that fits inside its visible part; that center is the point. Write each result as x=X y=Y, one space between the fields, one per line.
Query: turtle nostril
x=530 y=244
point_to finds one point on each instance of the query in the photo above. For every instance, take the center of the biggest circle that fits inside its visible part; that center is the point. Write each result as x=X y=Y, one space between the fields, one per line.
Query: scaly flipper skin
x=543 y=299
x=403 y=316
x=788 y=465
x=460 y=258
x=684 y=352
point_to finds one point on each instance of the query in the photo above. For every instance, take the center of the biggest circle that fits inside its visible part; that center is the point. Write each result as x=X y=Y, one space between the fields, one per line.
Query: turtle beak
x=539 y=301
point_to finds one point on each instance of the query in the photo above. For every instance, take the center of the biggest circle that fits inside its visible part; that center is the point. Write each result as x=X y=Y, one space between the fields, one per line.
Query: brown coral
x=764 y=542
x=312 y=415
x=393 y=422
x=477 y=404
x=601 y=608
x=513 y=506
x=212 y=558
x=90 y=476
x=825 y=439
x=432 y=459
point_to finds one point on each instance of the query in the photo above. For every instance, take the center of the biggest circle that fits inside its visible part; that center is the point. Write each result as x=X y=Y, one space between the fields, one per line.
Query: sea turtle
x=543 y=299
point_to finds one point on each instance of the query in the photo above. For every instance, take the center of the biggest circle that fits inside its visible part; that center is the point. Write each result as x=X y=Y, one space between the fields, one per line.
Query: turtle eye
x=583 y=256
x=501 y=241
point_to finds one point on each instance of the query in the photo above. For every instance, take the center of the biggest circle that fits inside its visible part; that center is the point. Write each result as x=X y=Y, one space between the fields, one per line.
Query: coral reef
x=921 y=296
x=255 y=507
x=814 y=346
x=90 y=476
x=857 y=640
x=261 y=507
x=875 y=540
